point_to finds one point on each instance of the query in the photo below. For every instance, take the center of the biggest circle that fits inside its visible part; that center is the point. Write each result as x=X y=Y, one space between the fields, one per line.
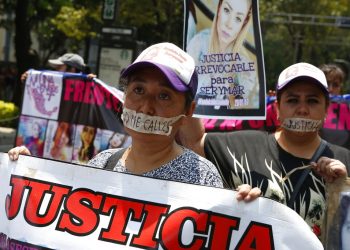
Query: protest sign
x=224 y=39
x=69 y=117
x=55 y=205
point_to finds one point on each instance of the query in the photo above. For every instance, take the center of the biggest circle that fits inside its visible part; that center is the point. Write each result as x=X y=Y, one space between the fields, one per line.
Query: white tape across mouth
x=148 y=124
x=301 y=124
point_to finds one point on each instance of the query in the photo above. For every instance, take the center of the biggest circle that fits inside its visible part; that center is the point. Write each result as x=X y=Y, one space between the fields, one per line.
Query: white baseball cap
x=300 y=71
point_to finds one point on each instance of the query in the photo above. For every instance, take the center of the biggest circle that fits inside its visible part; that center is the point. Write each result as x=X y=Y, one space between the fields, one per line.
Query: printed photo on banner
x=223 y=37
x=42 y=94
x=110 y=139
x=31 y=132
x=86 y=143
x=76 y=101
x=59 y=141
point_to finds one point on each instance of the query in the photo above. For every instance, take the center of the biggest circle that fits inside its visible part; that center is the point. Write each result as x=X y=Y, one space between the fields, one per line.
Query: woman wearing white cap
x=290 y=165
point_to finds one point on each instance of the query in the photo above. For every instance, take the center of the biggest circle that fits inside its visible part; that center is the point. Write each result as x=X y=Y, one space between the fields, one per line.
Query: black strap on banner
x=114 y=158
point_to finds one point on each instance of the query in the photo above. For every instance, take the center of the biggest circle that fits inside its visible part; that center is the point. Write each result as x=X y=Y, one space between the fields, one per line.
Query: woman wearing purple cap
x=159 y=90
x=291 y=165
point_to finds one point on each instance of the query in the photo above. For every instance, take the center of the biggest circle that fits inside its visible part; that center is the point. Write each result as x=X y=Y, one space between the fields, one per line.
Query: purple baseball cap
x=176 y=65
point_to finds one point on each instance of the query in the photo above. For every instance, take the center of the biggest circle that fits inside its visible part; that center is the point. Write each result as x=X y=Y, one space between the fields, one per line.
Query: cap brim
x=55 y=62
x=174 y=80
x=311 y=79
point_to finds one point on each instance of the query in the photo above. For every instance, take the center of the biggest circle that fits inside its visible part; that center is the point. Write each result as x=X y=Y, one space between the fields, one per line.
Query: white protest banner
x=48 y=204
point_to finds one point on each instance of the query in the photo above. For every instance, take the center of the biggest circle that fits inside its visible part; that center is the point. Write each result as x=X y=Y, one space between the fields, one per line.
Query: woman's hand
x=330 y=169
x=247 y=193
x=15 y=152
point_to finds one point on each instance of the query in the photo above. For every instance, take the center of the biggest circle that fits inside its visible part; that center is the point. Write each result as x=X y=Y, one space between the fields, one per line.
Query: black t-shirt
x=255 y=158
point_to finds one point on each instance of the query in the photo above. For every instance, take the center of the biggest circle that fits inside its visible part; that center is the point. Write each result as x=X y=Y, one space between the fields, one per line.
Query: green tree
x=156 y=21
x=60 y=25
x=313 y=36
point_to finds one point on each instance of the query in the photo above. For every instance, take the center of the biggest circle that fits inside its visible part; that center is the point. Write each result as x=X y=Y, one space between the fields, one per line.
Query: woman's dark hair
x=279 y=92
x=69 y=69
x=89 y=153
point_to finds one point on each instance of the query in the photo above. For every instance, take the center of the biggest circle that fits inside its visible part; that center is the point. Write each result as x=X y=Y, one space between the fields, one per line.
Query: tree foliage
x=317 y=41
x=67 y=25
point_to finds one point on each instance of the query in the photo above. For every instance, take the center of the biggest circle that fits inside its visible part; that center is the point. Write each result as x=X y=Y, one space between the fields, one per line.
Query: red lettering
x=79 y=91
x=122 y=209
x=88 y=94
x=69 y=89
x=13 y=202
x=331 y=119
x=209 y=124
x=150 y=224
x=99 y=93
x=82 y=209
x=228 y=125
x=37 y=191
x=257 y=236
x=172 y=228
x=344 y=117
x=116 y=104
x=108 y=100
x=82 y=206
x=223 y=226
x=255 y=124
x=271 y=115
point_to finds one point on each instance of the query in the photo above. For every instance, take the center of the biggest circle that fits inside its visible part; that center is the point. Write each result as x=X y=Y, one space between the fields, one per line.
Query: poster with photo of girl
x=31 y=133
x=87 y=143
x=59 y=141
x=224 y=38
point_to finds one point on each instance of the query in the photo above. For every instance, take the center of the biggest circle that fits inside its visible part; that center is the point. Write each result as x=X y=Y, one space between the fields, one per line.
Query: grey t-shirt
x=188 y=167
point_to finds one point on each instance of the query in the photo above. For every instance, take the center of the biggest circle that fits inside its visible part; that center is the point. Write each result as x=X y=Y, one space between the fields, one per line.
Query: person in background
x=69 y=63
x=335 y=78
x=158 y=98
x=258 y=163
